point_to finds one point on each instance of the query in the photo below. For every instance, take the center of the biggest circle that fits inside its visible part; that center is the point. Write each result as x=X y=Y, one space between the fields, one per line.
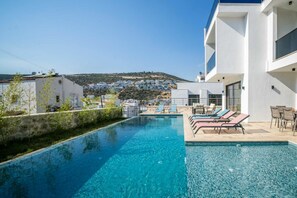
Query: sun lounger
x=217 y=116
x=224 y=118
x=173 y=109
x=235 y=123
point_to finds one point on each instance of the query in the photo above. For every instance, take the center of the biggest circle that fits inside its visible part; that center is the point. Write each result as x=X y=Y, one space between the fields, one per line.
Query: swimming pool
x=141 y=156
x=146 y=157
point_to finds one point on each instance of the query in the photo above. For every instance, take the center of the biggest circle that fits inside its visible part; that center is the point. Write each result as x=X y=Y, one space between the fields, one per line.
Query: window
x=215 y=98
x=194 y=99
x=233 y=97
x=57 y=99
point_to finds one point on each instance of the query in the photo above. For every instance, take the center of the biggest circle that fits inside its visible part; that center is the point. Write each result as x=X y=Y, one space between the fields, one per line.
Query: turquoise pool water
x=146 y=157
x=242 y=170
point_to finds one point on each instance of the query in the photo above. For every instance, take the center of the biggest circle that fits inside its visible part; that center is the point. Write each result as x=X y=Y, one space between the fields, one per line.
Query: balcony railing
x=211 y=63
x=216 y=2
x=286 y=45
x=191 y=101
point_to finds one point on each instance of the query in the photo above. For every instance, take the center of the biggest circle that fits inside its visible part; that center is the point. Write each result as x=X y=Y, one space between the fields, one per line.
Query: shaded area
x=17 y=148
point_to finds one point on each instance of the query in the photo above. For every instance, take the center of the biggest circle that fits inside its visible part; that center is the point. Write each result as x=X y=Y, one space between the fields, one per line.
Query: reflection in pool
x=141 y=156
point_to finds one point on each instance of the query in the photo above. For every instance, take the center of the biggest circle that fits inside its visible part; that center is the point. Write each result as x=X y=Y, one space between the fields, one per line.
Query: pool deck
x=254 y=132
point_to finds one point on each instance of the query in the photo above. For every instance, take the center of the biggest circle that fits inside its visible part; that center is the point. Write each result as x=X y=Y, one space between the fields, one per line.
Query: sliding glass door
x=233 y=96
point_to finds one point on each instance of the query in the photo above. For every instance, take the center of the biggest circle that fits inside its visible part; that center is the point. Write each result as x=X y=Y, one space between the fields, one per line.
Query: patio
x=254 y=132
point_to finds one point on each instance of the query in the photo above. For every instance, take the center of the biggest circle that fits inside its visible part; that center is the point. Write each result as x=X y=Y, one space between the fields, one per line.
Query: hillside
x=84 y=79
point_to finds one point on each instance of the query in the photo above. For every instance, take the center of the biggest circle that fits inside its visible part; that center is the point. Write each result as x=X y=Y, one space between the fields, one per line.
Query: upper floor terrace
x=226 y=43
x=217 y=2
x=281 y=34
x=237 y=28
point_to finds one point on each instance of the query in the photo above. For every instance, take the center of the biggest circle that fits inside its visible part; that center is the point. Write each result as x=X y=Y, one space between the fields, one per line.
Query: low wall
x=26 y=126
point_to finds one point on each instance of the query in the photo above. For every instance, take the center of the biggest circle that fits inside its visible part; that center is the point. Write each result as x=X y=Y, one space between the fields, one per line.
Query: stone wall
x=25 y=126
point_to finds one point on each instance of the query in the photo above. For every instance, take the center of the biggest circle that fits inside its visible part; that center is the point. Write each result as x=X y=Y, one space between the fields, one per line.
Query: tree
x=11 y=99
x=45 y=94
x=30 y=98
x=66 y=106
x=111 y=102
x=10 y=102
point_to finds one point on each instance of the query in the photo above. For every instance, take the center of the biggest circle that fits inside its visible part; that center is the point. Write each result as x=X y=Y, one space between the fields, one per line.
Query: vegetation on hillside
x=134 y=93
x=84 y=79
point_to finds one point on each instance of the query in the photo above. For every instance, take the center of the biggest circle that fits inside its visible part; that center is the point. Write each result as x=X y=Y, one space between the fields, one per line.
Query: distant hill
x=84 y=79
x=6 y=76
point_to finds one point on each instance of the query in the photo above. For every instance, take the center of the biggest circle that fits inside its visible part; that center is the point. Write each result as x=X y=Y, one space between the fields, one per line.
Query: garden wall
x=26 y=126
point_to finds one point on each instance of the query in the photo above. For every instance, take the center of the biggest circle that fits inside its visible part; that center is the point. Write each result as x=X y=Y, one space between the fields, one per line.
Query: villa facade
x=59 y=90
x=197 y=92
x=251 y=47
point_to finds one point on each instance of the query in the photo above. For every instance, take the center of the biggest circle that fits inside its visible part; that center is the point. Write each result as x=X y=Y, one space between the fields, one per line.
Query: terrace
x=254 y=131
x=282 y=34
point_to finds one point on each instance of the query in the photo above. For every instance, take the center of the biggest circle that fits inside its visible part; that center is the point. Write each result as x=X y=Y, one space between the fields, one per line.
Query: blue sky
x=103 y=36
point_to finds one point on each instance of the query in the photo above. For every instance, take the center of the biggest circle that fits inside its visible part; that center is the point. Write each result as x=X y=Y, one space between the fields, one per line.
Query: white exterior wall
x=256 y=49
x=195 y=88
x=180 y=97
x=230 y=55
x=286 y=21
x=55 y=90
x=61 y=87
x=73 y=92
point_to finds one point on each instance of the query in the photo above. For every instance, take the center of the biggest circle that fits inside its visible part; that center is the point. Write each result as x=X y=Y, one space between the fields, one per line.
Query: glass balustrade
x=211 y=63
x=286 y=45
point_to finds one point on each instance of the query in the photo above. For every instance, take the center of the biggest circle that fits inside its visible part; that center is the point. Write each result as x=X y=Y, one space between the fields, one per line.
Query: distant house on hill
x=59 y=90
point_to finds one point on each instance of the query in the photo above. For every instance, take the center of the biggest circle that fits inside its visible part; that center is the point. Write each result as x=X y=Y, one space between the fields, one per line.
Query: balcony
x=216 y=2
x=286 y=45
x=211 y=63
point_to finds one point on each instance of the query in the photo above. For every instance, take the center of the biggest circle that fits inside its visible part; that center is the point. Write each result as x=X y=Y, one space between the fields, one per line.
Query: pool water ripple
x=147 y=157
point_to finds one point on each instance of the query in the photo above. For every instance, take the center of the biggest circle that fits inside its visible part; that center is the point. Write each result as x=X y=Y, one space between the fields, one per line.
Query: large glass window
x=233 y=96
x=193 y=99
x=215 y=98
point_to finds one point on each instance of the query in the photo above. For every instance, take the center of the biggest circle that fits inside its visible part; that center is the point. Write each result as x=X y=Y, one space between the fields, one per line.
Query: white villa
x=197 y=92
x=61 y=89
x=251 y=47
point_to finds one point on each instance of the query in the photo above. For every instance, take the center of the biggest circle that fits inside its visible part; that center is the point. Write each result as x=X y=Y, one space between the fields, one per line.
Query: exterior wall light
x=223 y=78
x=218 y=80
x=272 y=87
x=243 y=87
x=290 y=2
x=293 y=69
